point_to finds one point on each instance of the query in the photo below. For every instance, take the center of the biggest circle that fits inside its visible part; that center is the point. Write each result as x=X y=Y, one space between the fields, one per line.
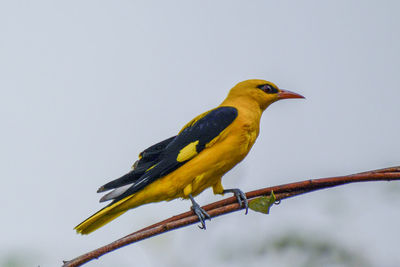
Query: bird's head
x=262 y=92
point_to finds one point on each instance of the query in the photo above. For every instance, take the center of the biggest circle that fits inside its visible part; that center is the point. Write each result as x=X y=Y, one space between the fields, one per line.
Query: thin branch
x=230 y=205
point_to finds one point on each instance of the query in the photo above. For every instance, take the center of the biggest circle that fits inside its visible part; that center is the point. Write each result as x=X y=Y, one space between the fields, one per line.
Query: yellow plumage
x=206 y=168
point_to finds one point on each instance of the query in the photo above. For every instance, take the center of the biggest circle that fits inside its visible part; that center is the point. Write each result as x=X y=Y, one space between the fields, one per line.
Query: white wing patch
x=115 y=193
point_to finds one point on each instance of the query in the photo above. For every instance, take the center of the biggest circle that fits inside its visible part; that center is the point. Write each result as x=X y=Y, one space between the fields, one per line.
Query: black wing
x=179 y=150
x=147 y=158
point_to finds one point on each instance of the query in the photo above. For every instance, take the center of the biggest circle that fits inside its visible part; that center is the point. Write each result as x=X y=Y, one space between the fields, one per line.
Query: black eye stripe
x=269 y=89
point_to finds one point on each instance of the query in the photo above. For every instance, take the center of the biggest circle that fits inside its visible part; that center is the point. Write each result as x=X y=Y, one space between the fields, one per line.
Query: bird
x=195 y=159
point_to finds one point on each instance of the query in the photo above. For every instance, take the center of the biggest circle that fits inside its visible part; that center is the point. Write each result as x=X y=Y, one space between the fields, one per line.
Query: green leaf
x=262 y=204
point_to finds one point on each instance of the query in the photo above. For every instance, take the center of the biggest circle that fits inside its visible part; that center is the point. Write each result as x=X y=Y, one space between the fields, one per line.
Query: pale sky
x=86 y=85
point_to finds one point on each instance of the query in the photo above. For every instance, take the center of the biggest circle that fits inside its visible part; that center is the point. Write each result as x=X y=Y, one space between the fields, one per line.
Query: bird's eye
x=269 y=89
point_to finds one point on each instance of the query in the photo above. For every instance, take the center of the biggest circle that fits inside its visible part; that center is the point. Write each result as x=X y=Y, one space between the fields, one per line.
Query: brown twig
x=230 y=204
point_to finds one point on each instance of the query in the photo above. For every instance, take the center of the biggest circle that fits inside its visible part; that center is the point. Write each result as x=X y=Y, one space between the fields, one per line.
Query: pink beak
x=284 y=94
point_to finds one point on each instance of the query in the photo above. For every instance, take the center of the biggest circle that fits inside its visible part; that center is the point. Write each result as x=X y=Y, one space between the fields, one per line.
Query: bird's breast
x=244 y=134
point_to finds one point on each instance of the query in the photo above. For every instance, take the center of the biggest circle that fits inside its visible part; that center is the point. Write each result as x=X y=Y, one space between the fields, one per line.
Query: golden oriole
x=196 y=158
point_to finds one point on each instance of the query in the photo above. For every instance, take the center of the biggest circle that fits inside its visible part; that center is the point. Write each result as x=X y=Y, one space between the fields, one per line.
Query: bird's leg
x=201 y=213
x=240 y=196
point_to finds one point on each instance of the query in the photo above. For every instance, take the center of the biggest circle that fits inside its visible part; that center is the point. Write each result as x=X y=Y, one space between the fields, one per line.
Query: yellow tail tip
x=96 y=221
x=81 y=231
x=102 y=217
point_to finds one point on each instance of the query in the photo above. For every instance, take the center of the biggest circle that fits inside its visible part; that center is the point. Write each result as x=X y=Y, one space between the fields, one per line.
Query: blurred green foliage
x=315 y=251
x=13 y=261
x=18 y=259
x=307 y=249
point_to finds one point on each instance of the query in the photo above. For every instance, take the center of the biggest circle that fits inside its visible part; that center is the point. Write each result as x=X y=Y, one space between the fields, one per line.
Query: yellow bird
x=196 y=158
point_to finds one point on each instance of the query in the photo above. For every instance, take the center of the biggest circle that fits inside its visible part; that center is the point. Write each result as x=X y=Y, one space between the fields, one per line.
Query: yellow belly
x=201 y=172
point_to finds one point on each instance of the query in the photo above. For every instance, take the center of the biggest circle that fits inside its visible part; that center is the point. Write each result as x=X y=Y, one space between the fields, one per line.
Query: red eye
x=269 y=89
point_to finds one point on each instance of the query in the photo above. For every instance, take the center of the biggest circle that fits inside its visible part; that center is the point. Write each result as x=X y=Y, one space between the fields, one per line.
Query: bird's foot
x=201 y=213
x=240 y=196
